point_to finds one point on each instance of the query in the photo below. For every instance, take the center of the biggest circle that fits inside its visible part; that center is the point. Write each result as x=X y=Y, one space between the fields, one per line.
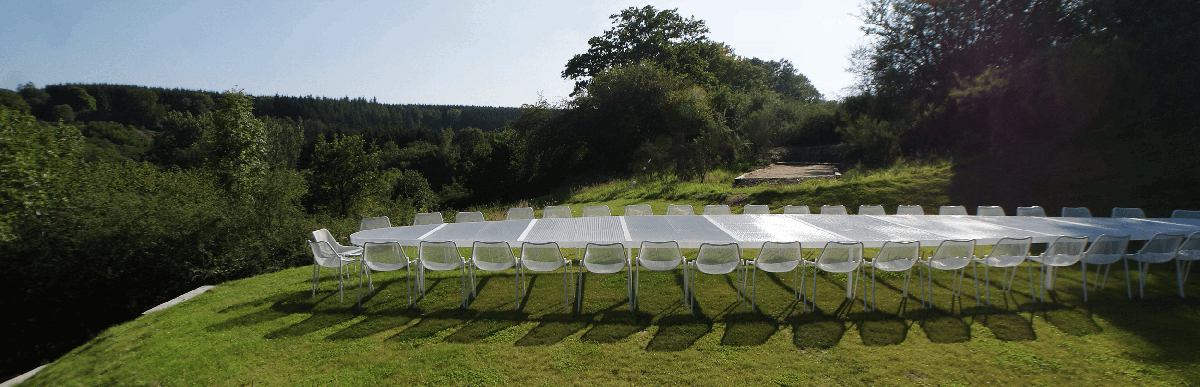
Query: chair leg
x=975 y=267
x=754 y=291
x=1083 y=277
x=1179 y=276
x=987 y=277
x=1128 y=285
x=873 y=292
x=409 y=285
x=803 y=278
x=314 y=280
x=1143 y=270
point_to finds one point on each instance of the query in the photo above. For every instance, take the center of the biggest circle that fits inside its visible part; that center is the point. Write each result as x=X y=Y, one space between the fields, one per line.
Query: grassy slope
x=268 y=330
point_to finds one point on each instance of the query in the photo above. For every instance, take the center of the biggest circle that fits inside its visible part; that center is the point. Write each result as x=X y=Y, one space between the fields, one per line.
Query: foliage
x=342 y=171
x=235 y=143
x=34 y=159
x=645 y=34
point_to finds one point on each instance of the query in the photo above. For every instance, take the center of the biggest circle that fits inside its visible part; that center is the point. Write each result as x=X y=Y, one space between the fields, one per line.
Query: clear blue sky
x=492 y=53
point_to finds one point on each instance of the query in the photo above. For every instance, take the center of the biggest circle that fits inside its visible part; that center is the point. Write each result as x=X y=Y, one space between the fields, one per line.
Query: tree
x=235 y=143
x=33 y=159
x=645 y=34
x=342 y=171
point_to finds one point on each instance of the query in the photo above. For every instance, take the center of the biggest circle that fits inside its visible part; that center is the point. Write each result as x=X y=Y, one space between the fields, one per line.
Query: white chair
x=442 y=256
x=833 y=210
x=386 y=256
x=556 y=212
x=325 y=255
x=1106 y=250
x=374 y=223
x=519 y=213
x=542 y=258
x=840 y=257
x=1185 y=214
x=426 y=218
x=1031 y=211
x=1064 y=251
x=1188 y=252
x=323 y=235
x=605 y=258
x=776 y=257
x=989 y=211
x=952 y=210
x=1128 y=212
x=760 y=209
x=951 y=255
x=1076 y=212
x=801 y=209
x=468 y=217
x=638 y=210
x=658 y=256
x=1161 y=248
x=1006 y=253
x=895 y=257
x=871 y=210
x=717 y=209
x=680 y=209
x=595 y=211
x=495 y=256
x=910 y=210
x=717 y=259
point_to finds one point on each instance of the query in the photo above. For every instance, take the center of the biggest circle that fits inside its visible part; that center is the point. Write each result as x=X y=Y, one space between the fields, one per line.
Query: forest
x=115 y=198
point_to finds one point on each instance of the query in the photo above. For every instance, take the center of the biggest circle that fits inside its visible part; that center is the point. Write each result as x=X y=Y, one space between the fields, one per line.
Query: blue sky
x=491 y=53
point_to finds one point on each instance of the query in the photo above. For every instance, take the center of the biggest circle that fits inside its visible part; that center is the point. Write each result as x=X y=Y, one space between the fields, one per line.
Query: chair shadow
x=282 y=305
x=1005 y=324
x=316 y=322
x=616 y=325
x=816 y=330
x=555 y=328
x=748 y=329
x=433 y=323
x=944 y=327
x=881 y=328
x=376 y=323
x=487 y=324
x=1072 y=321
x=679 y=332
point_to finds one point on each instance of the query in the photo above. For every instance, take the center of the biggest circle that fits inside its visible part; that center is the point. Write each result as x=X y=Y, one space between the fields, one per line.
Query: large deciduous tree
x=34 y=158
x=640 y=34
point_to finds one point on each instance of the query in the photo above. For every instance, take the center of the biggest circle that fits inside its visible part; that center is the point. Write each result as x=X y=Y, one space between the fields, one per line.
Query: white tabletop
x=750 y=231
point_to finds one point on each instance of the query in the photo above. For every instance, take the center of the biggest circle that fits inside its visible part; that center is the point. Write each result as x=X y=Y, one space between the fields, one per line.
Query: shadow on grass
x=679 y=332
x=748 y=329
x=487 y=324
x=1006 y=324
x=316 y=322
x=945 y=328
x=554 y=328
x=616 y=326
x=376 y=323
x=1072 y=321
x=282 y=305
x=816 y=330
x=433 y=323
x=880 y=328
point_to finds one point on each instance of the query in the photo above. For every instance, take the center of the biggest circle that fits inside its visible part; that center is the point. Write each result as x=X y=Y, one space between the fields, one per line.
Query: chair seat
x=349 y=250
x=440 y=266
x=1001 y=261
x=604 y=268
x=494 y=266
x=1101 y=259
x=541 y=266
x=718 y=269
x=333 y=262
x=947 y=264
x=376 y=266
x=1055 y=259
x=659 y=265
x=1188 y=255
x=840 y=267
x=777 y=267
x=893 y=265
x=1151 y=257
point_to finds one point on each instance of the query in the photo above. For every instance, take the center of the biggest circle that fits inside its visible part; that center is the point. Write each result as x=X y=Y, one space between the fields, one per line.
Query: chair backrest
x=544 y=256
x=427 y=218
x=1031 y=211
x=324 y=254
x=718 y=258
x=680 y=209
x=717 y=209
x=756 y=209
x=468 y=217
x=660 y=253
x=1065 y=250
x=801 y=209
x=871 y=210
x=1162 y=246
x=778 y=252
x=1128 y=212
x=833 y=210
x=556 y=212
x=519 y=213
x=1185 y=214
x=374 y=223
x=910 y=210
x=440 y=254
x=952 y=210
x=384 y=256
x=638 y=210
x=1076 y=212
x=492 y=256
x=323 y=235
x=963 y=249
x=1012 y=248
x=989 y=211
x=604 y=254
x=1106 y=249
x=840 y=257
x=891 y=255
x=1190 y=249
x=594 y=211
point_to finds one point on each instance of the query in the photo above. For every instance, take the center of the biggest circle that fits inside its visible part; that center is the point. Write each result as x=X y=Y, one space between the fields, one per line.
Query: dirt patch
x=787 y=173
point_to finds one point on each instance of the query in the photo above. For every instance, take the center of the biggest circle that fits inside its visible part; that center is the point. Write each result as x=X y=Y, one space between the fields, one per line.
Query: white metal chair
x=989 y=211
x=760 y=209
x=1006 y=253
x=386 y=256
x=374 y=223
x=776 y=257
x=1064 y=251
x=840 y=257
x=495 y=256
x=1076 y=212
x=658 y=256
x=894 y=257
x=801 y=209
x=542 y=258
x=910 y=210
x=717 y=259
x=468 y=217
x=1128 y=212
x=519 y=213
x=1106 y=250
x=871 y=210
x=951 y=255
x=1161 y=248
x=638 y=210
x=323 y=235
x=1188 y=252
x=680 y=209
x=1031 y=211
x=426 y=218
x=1186 y=214
x=594 y=211
x=833 y=210
x=556 y=212
x=605 y=258
x=952 y=210
x=325 y=255
x=442 y=256
x=717 y=209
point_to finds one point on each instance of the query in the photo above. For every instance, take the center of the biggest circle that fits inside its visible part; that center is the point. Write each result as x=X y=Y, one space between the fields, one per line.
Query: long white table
x=750 y=231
